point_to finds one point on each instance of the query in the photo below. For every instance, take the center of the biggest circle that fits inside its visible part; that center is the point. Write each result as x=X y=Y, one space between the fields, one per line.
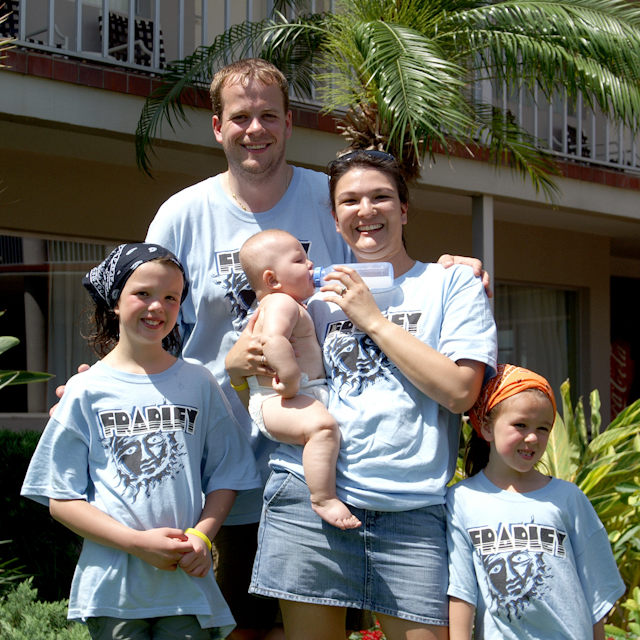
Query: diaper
x=316 y=389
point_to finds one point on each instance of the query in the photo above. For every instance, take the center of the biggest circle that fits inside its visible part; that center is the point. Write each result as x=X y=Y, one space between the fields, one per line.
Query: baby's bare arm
x=280 y=314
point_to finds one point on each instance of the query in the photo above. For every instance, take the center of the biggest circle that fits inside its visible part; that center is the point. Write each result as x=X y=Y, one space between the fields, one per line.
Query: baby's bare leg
x=306 y=421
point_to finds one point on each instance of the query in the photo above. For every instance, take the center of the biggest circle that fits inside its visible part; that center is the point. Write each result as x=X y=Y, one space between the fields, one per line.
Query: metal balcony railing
x=77 y=27
x=53 y=252
x=171 y=29
x=568 y=128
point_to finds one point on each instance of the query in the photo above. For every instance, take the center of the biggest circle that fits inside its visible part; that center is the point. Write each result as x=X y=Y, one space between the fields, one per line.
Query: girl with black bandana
x=134 y=444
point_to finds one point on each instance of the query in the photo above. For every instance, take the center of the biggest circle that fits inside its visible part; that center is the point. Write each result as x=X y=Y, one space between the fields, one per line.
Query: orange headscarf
x=509 y=381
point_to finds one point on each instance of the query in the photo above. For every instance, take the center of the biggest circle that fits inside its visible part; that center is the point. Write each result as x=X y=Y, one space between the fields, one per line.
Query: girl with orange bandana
x=528 y=556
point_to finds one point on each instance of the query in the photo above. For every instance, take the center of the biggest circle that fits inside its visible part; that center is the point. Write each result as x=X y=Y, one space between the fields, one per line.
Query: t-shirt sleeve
x=59 y=466
x=162 y=229
x=468 y=328
x=165 y=231
x=228 y=460
x=595 y=564
x=462 y=575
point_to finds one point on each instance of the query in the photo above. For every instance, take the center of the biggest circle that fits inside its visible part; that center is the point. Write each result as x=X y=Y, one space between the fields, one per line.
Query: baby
x=291 y=407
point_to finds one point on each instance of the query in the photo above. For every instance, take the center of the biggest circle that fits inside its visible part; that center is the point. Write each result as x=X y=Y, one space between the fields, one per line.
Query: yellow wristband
x=240 y=387
x=200 y=535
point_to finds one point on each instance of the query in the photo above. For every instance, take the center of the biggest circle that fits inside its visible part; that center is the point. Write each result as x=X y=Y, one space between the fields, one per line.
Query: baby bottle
x=378 y=276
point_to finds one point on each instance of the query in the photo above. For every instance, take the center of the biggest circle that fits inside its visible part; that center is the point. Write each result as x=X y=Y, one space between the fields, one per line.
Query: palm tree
x=405 y=71
x=5 y=41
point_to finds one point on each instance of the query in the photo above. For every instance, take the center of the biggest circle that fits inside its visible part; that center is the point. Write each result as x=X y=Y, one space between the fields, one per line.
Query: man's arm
x=447 y=260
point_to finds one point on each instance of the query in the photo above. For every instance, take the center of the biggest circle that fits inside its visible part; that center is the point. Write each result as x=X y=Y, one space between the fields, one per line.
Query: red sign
x=621 y=375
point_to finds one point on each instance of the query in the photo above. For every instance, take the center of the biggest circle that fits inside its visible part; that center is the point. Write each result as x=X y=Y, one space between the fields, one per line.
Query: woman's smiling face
x=369 y=214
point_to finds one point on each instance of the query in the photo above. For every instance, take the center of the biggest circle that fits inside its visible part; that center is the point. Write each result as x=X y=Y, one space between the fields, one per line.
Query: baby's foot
x=336 y=513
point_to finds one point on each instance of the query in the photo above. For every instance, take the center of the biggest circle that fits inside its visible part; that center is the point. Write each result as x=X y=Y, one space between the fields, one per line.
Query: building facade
x=71 y=92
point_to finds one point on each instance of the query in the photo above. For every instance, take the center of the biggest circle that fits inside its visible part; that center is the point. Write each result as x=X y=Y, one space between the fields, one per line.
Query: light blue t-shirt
x=205 y=229
x=142 y=449
x=535 y=565
x=399 y=447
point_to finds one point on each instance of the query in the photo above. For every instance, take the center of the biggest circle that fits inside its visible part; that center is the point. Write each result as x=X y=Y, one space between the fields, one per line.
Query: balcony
x=77 y=29
x=568 y=129
x=167 y=30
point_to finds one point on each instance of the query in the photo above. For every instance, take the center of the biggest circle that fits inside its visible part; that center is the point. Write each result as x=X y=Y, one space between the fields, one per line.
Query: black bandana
x=106 y=281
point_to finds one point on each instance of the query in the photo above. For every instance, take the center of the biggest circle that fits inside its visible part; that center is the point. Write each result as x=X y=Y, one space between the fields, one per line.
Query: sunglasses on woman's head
x=383 y=155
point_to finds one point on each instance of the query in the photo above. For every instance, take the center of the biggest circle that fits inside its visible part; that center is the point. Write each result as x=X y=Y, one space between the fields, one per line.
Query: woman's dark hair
x=105 y=327
x=367 y=159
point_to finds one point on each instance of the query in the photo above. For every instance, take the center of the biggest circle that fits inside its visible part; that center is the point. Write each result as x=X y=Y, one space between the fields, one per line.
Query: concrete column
x=35 y=304
x=482 y=233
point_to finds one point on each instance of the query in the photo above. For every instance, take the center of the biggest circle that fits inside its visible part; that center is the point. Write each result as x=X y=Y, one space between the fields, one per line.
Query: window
x=42 y=293
x=538 y=328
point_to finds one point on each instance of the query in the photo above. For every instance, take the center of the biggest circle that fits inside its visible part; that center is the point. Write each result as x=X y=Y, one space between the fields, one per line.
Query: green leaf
x=6 y=342
x=596 y=420
x=622 y=436
x=627 y=487
x=631 y=533
x=627 y=416
x=560 y=453
x=22 y=377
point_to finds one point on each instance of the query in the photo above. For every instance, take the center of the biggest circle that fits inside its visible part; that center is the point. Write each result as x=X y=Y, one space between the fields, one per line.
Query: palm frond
x=592 y=46
x=405 y=96
x=510 y=145
x=418 y=91
x=294 y=46
x=6 y=43
x=398 y=77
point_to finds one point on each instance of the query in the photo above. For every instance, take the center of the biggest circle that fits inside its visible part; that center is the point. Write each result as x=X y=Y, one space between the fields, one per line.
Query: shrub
x=23 y=617
x=44 y=548
x=10 y=571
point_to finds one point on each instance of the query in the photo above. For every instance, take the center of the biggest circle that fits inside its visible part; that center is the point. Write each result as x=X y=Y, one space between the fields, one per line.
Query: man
x=205 y=225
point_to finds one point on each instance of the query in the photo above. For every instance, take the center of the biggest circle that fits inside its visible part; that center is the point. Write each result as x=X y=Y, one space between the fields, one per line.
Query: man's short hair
x=242 y=72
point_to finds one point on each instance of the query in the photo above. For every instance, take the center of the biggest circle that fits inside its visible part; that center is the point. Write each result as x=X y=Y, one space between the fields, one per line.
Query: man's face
x=253 y=129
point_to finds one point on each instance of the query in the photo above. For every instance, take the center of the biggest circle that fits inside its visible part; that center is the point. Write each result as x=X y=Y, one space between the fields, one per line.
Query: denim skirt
x=394 y=564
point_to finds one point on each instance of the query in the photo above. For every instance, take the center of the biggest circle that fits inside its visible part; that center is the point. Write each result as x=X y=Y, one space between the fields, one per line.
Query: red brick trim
x=94 y=74
x=88 y=74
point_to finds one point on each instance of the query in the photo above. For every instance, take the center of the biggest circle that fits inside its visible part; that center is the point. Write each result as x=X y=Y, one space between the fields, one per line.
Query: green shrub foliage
x=43 y=547
x=24 y=617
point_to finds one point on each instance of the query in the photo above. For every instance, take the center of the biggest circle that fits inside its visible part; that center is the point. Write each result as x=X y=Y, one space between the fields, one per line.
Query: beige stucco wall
x=68 y=169
x=530 y=254
x=69 y=183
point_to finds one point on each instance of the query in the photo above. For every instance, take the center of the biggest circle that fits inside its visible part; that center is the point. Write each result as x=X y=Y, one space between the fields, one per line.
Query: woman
x=401 y=366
